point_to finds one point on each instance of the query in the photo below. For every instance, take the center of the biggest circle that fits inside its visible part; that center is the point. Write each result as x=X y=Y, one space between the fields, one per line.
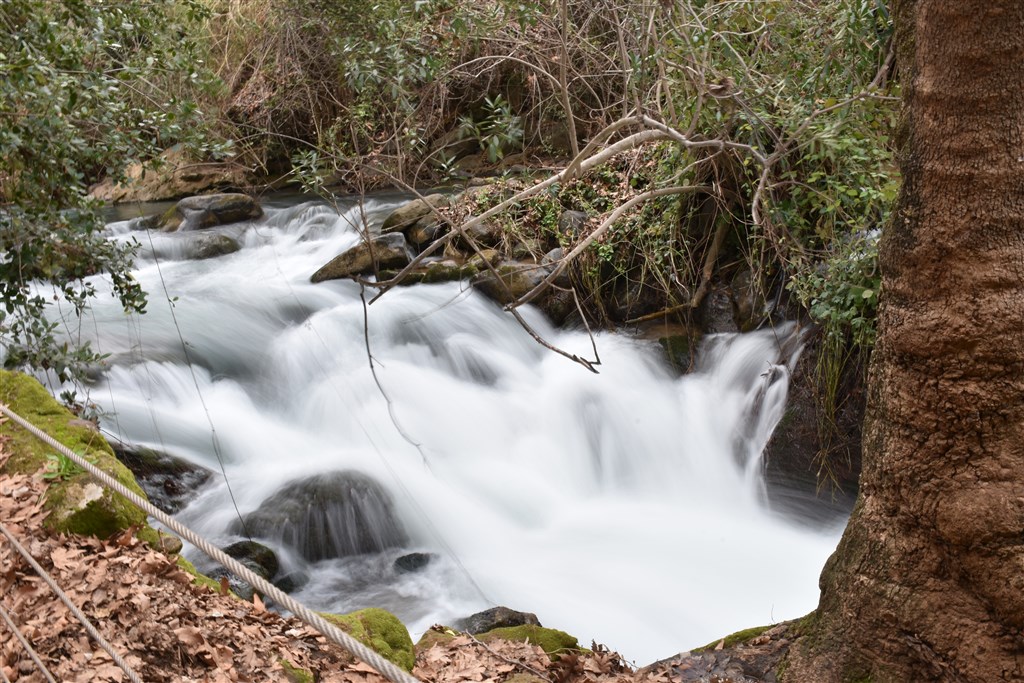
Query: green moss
x=199 y=579
x=159 y=540
x=76 y=503
x=552 y=641
x=380 y=630
x=734 y=638
x=295 y=674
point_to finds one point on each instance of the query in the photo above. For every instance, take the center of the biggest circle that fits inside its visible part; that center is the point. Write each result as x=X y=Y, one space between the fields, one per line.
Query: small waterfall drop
x=625 y=507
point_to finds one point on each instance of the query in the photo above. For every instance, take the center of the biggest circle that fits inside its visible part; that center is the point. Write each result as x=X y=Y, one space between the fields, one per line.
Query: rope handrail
x=82 y=619
x=33 y=655
x=385 y=667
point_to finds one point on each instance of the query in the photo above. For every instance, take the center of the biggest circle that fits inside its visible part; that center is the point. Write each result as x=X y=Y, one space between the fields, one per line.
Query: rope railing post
x=384 y=666
x=82 y=619
x=33 y=655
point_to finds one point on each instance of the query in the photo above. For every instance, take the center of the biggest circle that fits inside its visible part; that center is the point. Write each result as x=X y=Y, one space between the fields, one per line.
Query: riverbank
x=170 y=629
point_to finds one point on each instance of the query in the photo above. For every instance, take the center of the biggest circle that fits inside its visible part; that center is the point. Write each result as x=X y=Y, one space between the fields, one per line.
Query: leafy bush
x=85 y=90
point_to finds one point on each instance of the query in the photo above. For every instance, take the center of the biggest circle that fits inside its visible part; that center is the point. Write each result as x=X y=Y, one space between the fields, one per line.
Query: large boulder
x=338 y=514
x=409 y=213
x=75 y=502
x=170 y=482
x=386 y=251
x=208 y=211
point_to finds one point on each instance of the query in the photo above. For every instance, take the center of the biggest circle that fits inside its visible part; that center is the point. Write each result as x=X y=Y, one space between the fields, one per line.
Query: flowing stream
x=625 y=507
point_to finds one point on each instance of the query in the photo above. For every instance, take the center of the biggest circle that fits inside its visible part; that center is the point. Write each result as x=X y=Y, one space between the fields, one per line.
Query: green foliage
x=497 y=130
x=85 y=90
x=60 y=467
x=841 y=293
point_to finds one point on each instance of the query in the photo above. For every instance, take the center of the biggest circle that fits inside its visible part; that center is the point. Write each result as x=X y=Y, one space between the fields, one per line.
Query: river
x=625 y=507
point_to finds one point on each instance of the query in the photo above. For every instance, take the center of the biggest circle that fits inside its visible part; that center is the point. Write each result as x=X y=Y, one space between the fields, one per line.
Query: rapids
x=625 y=507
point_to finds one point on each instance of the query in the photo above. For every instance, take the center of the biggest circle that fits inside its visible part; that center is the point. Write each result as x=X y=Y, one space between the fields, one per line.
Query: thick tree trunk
x=928 y=581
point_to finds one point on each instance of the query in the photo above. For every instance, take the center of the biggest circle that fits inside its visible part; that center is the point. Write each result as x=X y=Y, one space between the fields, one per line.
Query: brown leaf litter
x=169 y=629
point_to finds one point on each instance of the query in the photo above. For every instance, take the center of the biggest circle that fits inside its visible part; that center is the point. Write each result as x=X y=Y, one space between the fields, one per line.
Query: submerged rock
x=207 y=211
x=212 y=246
x=496 y=617
x=386 y=251
x=170 y=482
x=413 y=562
x=338 y=514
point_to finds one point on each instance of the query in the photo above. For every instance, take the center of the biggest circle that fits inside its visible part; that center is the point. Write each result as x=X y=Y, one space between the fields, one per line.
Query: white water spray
x=625 y=507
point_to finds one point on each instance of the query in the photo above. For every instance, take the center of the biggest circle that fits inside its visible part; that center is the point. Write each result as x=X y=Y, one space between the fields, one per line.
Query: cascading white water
x=625 y=507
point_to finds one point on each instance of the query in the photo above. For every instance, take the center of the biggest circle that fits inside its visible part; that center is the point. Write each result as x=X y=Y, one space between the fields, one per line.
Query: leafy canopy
x=86 y=88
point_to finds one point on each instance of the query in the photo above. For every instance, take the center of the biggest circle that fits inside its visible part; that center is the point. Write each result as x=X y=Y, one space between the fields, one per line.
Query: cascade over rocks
x=338 y=514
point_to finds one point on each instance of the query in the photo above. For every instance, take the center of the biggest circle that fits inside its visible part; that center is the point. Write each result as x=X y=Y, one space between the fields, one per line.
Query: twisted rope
x=82 y=619
x=28 y=647
x=385 y=667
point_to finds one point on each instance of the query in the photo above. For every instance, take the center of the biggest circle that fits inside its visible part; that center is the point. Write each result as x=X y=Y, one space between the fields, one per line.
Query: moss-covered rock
x=77 y=504
x=380 y=630
x=551 y=640
x=198 y=578
x=166 y=543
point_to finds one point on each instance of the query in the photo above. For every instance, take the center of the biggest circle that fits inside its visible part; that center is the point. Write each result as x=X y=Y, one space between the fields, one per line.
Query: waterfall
x=625 y=507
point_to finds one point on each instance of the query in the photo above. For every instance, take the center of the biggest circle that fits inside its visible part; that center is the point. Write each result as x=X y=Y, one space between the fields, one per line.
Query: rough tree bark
x=928 y=581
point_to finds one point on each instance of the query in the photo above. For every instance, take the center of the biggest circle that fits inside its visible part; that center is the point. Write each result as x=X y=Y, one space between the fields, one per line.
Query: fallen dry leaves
x=168 y=629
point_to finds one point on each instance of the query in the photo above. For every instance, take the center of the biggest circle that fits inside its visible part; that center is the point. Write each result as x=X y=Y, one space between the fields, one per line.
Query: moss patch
x=295 y=674
x=552 y=641
x=734 y=638
x=380 y=630
x=76 y=503
x=198 y=579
